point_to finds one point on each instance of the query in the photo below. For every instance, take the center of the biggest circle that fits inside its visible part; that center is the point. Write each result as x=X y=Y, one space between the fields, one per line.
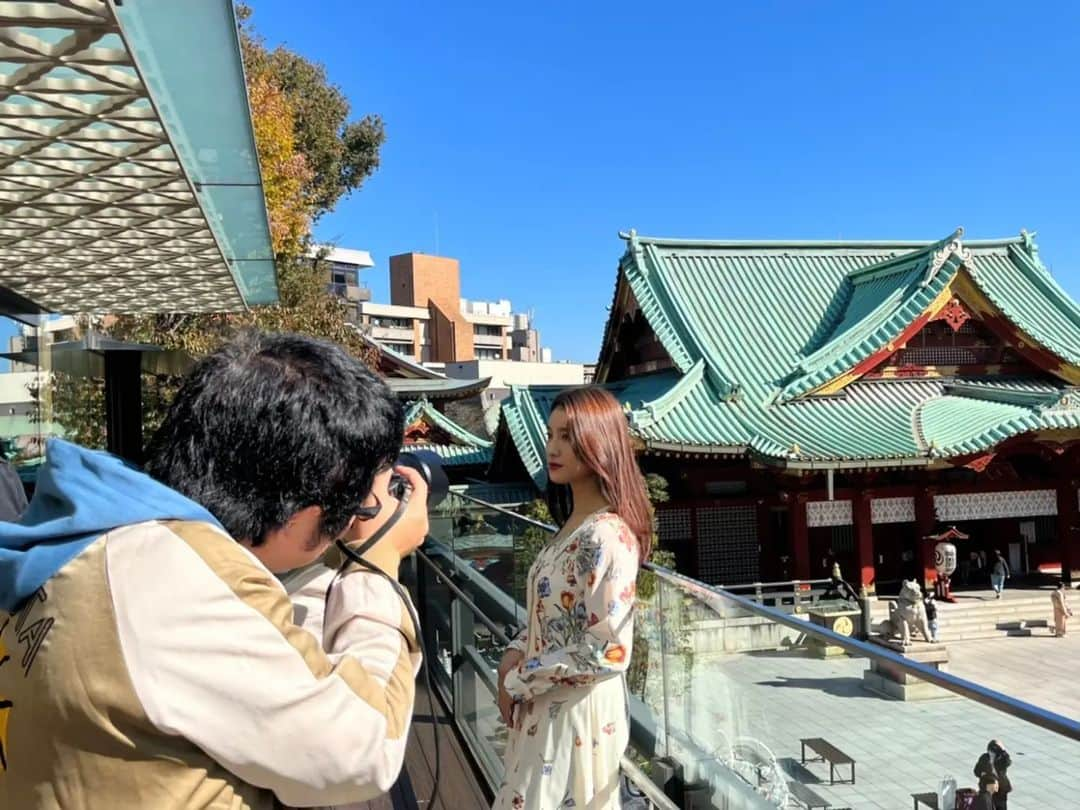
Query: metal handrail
x=495 y=630
x=1051 y=721
x=1028 y=712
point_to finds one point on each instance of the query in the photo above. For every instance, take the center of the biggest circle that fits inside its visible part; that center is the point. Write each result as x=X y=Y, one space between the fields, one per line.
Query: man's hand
x=411 y=528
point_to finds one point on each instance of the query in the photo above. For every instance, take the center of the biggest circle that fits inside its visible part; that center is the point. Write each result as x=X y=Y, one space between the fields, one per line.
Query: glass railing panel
x=750 y=704
x=723 y=691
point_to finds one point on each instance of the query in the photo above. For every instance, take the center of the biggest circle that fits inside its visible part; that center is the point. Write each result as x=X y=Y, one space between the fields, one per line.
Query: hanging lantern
x=945 y=558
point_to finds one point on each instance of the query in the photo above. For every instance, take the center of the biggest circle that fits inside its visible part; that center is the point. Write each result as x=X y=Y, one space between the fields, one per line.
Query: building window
x=391 y=323
x=486 y=330
x=843 y=539
x=488 y=354
x=401 y=348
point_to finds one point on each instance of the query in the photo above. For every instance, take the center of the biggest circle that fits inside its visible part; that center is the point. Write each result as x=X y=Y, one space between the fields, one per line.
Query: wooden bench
x=808 y=797
x=827 y=752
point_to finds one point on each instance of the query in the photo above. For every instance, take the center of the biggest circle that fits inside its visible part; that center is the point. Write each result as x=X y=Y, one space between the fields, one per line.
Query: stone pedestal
x=889 y=680
x=840 y=619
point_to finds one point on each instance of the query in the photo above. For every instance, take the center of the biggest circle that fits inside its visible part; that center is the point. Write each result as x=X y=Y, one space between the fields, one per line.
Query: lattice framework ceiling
x=96 y=212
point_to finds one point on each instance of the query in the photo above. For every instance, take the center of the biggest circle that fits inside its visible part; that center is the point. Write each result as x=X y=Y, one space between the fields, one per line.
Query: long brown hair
x=600 y=437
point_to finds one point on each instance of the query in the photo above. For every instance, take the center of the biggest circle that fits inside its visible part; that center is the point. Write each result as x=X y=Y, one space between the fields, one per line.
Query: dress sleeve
x=607 y=562
x=520 y=641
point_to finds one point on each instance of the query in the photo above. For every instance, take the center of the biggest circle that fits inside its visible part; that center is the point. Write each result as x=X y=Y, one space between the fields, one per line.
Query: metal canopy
x=129 y=180
x=86 y=357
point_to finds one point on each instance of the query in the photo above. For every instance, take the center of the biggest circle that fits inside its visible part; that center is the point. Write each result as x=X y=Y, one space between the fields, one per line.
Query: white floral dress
x=574 y=728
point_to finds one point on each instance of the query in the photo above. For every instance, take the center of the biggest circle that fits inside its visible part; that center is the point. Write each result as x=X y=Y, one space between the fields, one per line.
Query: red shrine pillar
x=864 y=539
x=800 y=537
x=925 y=523
x=1068 y=528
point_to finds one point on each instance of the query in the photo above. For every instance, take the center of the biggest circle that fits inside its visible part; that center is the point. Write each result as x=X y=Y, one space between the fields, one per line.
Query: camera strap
x=356 y=554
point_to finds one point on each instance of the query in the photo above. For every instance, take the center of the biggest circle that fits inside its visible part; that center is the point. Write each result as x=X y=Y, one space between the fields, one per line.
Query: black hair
x=1060 y=583
x=270 y=424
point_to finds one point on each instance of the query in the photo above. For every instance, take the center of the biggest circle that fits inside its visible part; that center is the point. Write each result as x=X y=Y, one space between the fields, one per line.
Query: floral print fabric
x=569 y=686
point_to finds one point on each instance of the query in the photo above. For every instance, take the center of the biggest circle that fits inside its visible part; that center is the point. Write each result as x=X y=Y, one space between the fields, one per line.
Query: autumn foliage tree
x=311 y=156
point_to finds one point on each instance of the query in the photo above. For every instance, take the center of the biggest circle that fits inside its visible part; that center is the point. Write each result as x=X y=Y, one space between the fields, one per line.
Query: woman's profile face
x=564 y=466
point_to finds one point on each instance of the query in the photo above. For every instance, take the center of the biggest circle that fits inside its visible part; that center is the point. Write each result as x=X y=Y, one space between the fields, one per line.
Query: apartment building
x=341 y=268
x=428 y=320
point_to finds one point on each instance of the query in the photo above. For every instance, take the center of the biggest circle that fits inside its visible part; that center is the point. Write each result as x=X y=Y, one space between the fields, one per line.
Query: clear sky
x=521 y=140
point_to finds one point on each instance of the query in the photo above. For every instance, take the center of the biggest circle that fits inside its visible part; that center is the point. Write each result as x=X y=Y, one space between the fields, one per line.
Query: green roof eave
x=848 y=464
x=423 y=409
x=734 y=450
x=454 y=455
x=200 y=95
x=1030 y=398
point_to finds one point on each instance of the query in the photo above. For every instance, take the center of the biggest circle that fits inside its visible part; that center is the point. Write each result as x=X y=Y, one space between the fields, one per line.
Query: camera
x=429 y=465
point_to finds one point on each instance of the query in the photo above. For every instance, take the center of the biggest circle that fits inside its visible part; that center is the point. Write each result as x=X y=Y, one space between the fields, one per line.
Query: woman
x=561 y=686
x=996 y=761
x=1062 y=612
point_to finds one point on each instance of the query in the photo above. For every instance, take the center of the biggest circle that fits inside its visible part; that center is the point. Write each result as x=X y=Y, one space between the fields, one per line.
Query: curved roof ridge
x=896 y=263
x=885 y=322
x=654 y=309
x=819 y=244
x=423 y=408
x=654 y=411
x=718 y=375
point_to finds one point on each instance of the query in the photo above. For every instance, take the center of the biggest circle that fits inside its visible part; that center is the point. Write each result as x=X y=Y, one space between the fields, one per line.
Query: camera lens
x=429 y=465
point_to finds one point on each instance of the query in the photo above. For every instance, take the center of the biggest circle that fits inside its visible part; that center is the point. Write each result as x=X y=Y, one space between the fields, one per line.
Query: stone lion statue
x=905 y=613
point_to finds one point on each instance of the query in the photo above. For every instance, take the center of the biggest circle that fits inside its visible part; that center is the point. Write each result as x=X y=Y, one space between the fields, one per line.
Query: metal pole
x=663 y=666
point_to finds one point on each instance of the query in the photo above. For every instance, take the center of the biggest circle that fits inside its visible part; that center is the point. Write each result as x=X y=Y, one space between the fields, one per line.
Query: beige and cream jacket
x=161 y=669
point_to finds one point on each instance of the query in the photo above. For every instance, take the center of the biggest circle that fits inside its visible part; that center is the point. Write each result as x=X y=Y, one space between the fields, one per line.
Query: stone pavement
x=776 y=698
x=1038 y=669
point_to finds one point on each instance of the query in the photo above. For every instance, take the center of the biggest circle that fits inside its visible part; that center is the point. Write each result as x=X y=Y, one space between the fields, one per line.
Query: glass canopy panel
x=128 y=175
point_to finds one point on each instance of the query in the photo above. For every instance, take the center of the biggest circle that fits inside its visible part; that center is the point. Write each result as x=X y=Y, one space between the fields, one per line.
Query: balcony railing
x=731 y=700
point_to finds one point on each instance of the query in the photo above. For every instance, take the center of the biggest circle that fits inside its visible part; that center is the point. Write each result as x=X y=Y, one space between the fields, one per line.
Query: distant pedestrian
x=996 y=762
x=930 y=606
x=1062 y=613
x=988 y=790
x=999 y=572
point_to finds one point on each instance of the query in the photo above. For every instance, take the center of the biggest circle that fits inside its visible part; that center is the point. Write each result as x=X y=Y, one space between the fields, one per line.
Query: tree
x=310 y=156
x=340 y=154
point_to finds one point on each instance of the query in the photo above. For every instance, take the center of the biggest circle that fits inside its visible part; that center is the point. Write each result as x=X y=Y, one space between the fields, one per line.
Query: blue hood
x=80 y=495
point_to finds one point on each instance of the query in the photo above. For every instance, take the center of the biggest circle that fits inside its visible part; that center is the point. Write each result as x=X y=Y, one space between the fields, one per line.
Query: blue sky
x=522 y=140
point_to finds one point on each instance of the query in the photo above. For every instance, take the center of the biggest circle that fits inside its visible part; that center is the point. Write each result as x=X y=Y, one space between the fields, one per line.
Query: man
x=149 y=659
x=998 y=574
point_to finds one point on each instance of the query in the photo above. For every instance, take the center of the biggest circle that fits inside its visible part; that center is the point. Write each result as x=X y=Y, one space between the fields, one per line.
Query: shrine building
x=809 y=400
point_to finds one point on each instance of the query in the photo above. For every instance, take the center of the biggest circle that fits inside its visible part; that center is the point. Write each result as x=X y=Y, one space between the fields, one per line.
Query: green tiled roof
x=755 y=329
x=456 y=455
x=691 y=413
x=422 y=409
x=957 y=426
x=468 y=449
x=881 y=301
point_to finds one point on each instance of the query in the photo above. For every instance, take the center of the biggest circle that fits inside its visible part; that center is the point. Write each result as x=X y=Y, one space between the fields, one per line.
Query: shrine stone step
x=973 y=629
